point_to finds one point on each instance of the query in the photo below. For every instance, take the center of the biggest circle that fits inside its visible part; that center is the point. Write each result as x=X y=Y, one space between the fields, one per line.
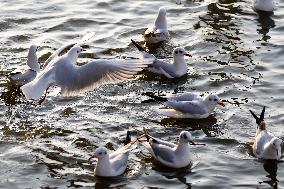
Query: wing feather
x=99 y=72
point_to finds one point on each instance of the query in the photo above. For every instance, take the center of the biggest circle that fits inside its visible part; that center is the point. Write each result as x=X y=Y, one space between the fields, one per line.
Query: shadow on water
x=266 y=23
x=208 y=125
x=270 y=166
x=171 y=173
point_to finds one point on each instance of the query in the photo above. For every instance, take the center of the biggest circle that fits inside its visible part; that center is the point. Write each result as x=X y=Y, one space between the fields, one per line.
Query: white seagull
x=169 y=154
x=188 y=105
x=263 y=5
x=170 y=70
x=26 y=73
x=112 y=164
x=266 y=145
x=159 y=32
x=73 y=79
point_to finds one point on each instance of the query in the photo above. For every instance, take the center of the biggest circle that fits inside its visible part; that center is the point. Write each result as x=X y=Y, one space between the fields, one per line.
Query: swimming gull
x=169 y=154
x=170 y=70
x=159 y=32
x=188 y=105
x=266 y=145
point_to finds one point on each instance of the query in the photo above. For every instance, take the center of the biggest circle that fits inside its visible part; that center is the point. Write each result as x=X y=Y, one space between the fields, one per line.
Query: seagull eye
x=176 y=52
x=215 y=99
x=105 y=153
x=100 y=153
x=273 y=144
x=184 y=136
x=180 y=51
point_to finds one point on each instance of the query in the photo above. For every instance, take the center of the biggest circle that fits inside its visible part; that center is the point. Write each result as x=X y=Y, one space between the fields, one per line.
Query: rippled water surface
x=236 y=53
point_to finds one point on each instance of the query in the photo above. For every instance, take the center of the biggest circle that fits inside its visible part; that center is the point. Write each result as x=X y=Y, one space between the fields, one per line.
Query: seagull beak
x=192 y=142
x=187 y=54
x=221 y=103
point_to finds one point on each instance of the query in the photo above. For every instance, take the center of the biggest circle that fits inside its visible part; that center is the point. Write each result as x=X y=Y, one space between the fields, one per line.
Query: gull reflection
x=266 y=23
x=270 y=166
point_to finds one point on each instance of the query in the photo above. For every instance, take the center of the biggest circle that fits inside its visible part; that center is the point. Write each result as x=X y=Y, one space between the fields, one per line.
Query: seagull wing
x=188 y=107
x=164 y=68
x=55 y=55
x=163 y=153
x=185 y=97
x=98 y=72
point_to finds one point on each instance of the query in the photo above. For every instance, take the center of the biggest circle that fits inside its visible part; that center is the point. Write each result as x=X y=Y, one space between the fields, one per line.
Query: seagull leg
x=42 y=99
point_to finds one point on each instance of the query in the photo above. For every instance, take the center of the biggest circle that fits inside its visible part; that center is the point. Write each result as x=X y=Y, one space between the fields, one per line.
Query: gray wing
x=167 y=67
x=189 y=107
x=23 y=78
x=76 y=79
x=185 y=97
x=119 y=163
x=163 y=152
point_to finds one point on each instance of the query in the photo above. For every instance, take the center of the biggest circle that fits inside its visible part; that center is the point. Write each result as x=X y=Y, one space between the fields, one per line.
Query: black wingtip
x=127 y=138
x=261 y=117
x=257 y=120
x=157 y=98
x=138 y=46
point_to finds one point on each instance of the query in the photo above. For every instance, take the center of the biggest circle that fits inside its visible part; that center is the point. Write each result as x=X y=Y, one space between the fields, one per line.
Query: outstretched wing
x=99 y=72
x=55 y=55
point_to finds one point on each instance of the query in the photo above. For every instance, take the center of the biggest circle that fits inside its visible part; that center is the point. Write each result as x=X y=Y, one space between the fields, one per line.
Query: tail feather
x=155 y=97
x=138 y=46
x=257 y=120
x=127 y=138
x=36 y=88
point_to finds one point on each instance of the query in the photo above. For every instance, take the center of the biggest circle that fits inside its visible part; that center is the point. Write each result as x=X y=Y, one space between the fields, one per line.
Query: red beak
x=187 y=54
x=221 y=103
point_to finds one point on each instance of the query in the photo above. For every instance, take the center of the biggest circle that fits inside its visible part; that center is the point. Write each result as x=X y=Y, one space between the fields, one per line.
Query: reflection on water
x=270 y=166
x=266 y=23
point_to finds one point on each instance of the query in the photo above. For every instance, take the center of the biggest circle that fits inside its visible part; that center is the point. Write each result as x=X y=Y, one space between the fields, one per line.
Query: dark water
x=236 y=53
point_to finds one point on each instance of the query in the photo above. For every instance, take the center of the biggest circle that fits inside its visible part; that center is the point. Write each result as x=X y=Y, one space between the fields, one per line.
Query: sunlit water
x=236 y=53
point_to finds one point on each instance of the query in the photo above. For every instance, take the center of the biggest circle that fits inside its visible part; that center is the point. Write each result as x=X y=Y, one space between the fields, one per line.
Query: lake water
x=236 y=53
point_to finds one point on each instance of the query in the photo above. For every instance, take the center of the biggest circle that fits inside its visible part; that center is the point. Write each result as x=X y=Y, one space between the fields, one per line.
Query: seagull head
x=186 y=137
x=180 y=52
x=213 y=100
x=75 y=51
x=101 y=152
x=275 y=145
x=33 y=48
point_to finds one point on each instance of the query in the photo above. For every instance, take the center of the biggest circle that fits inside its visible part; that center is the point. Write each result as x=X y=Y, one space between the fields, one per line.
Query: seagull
x=159 y=32
x=188 y=105
x=112 y=164
x=26 y=73
x=169 y=154
x=266 y=145
x=170 y=70
x=73 y=79
x=263 y=5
